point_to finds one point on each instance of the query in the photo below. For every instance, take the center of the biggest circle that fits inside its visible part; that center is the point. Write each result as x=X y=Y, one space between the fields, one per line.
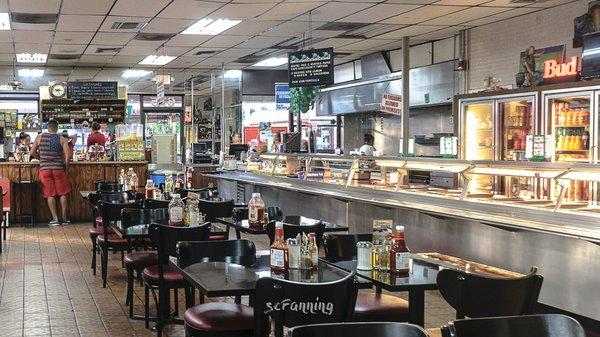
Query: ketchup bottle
x=399 y=260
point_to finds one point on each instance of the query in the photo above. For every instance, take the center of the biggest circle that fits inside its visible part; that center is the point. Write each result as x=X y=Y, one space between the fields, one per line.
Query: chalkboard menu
x=310 y=67
x=92 y=90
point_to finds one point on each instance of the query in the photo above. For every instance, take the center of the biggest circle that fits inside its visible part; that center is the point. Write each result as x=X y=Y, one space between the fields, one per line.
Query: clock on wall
x=58 y=90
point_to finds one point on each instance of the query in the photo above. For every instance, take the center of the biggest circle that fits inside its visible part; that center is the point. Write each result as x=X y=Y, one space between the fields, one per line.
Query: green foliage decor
x=302 y=99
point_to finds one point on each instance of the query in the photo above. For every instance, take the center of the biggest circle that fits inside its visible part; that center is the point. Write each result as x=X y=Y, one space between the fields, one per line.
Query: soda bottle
x=279 y=252
x=399 y=260
x=176 y=207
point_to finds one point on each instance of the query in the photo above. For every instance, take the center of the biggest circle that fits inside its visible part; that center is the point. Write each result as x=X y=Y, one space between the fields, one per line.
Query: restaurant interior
x=300 y=168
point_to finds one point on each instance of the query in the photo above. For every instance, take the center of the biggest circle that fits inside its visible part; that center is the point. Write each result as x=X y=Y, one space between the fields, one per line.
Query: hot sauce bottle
x=279 y=251
x=399 y=260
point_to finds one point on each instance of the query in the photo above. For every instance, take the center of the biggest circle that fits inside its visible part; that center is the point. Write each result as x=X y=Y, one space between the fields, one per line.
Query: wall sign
x=160 y=93
x=92 y=90
x=310 y=67
x=391 y=103
x=282 y=96
x=555 y=72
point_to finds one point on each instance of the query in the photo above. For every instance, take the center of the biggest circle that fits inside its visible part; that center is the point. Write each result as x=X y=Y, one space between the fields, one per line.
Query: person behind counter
x=71 y=140
x=96 y=137
x=367 y=149
x=23 y=147
x=53 y=152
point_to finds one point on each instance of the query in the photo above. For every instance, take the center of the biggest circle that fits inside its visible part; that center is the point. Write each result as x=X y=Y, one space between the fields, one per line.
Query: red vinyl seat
x=220 y=316
x=217 y=237
x=141 y=259
x=113 y=239
x=380 y=307
x=169 y=274
x=100 y=230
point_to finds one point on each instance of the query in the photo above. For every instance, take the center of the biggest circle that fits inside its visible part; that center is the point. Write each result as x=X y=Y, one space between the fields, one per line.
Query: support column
x=405 y=91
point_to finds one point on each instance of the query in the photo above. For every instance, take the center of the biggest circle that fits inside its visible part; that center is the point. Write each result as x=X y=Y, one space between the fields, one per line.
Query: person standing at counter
x=71 y=140
x=96 y=137
x=367 y=149
x=53 y=153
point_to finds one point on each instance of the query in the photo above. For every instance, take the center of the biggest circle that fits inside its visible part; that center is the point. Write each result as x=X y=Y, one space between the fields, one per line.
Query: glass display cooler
x=163 y=119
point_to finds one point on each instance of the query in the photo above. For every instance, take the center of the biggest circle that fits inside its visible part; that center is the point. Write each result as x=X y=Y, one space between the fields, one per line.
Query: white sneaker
x=54 y=223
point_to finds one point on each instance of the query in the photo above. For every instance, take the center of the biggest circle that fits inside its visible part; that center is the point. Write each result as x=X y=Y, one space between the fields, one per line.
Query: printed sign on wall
x=391 y=104
x=282 y=96
x=310 y=67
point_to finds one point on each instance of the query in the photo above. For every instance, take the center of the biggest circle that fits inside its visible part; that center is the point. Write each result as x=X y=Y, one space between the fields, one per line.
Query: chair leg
x=159 y=309
x=175 y=293
x=146 y=306
x=201 y=297
x=129 y=297
x=104 y=260
x=4 y=224
x=238 y=299
x=94 y=253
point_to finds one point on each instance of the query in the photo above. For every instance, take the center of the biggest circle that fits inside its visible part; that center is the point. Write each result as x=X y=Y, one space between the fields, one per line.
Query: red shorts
x=54 y=182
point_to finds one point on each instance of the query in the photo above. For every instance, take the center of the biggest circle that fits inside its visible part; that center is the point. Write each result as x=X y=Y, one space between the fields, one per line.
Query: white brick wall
x=495 y=48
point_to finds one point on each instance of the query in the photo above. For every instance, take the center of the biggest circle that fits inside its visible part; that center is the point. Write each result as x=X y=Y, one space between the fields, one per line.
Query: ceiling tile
x=125 y=60
x=410 y=31
x=67 y=49
x=79 y=23
x=290 y=28
x=508 y=3
x=147 y=8
x=35 y=6
x=237 y=52
x=378 y=12
x=94 y=59
x=368 y=44
x=110 y=20
x=335 y=10
x=6 y=36
x=261 y=42
x=224 y=41
x=466 y=15
x=548 y=4
x=30 y=36
x=158 y=25
x=32 y=26
x=32 y=48
x=289 y=10
x=187 y=40
x=4 y=5
x=202 y=49
x=7 y=48
x=189 y=9
x=112 y=38
x=411 y=2
x=73 y=37
x=92 y=49
x=251 y=27
x=137 y=50
x=502 y=16
x=461 y=2
x=336 y=43
x=423 y=13
x=442 y=33
x=240 y=11
x=95 y=7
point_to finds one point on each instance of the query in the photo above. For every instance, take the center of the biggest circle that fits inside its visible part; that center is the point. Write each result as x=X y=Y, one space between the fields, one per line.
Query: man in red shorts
x=53 y=152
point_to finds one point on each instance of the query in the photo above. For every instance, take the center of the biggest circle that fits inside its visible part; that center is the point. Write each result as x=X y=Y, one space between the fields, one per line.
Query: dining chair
x=473 y=295
x=291 y=231
x=217 y=208
x=290 y=304
x=162 y=277
x=549 y=325
x=358 y=329
x=138 y=260
x=106 y=241
x=203 y=193
x=108 y=186
x=242 y=252
x=154 y=204
x=96 y=228
x=370 y=306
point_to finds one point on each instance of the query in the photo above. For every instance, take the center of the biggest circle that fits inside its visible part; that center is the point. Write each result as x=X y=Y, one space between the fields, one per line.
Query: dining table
x=242 y=226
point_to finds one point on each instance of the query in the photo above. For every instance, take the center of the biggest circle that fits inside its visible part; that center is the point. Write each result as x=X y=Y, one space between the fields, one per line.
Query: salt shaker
x=363 y=255
x=293 y=253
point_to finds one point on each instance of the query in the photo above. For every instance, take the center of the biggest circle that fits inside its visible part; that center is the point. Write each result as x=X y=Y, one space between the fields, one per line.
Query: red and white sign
x=554 y=70
x=391 y=103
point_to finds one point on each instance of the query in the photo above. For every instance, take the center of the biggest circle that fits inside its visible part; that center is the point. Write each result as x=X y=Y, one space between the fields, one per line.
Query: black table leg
x=416 y=306
x=238 y=235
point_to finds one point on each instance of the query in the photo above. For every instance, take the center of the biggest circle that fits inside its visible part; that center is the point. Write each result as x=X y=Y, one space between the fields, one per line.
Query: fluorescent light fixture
x=157 y=60
x=234 y=73
x=32 y=58
x=4 y=21
x=131 y=73
x=31 y=72
x=210 y=26
x=271 y=62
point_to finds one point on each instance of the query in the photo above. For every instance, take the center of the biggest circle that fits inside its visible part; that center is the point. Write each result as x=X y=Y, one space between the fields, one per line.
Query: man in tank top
x=53 y=152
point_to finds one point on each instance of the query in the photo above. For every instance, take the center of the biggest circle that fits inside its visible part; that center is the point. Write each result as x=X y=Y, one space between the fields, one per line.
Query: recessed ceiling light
x=210 y=26
x=130 y=73
x=4 y=21
x=31 y=72
x=32 y=58
x=156 y=60
x=271 y=62
x=234 y=73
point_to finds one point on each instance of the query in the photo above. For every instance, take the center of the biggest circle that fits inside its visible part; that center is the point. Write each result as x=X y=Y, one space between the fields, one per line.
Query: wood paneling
x=199 y=180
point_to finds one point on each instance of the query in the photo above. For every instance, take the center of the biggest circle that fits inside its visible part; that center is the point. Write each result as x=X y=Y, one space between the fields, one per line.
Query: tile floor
x=47 y=289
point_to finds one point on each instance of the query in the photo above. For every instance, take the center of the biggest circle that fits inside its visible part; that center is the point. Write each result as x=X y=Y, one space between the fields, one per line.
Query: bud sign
x=555 y=72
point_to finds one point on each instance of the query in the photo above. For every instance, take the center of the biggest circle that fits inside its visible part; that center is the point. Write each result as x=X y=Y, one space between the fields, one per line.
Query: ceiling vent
x=343 y=26
x=108 y=50
x=153 y=36
x=250 y=59
x=64 y=56
x=33 y=18
x=341 y=55
x=296 y=43
x=128 y=25
x=205 y=52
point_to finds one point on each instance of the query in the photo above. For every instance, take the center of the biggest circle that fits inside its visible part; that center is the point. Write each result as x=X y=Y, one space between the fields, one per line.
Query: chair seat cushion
x=217 y=237
x=139 y=260
x=113 y=239
x=380 y=306
x=98 y=220
x=220 y=316
x=169 y=274
x=100 y=230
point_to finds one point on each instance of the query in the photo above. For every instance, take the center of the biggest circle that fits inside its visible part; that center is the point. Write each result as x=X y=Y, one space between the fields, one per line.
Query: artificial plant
x=302 y=99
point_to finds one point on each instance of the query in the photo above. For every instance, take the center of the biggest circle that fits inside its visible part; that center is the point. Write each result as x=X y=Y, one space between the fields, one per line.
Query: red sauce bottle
x=399 y=260
x=279 y=251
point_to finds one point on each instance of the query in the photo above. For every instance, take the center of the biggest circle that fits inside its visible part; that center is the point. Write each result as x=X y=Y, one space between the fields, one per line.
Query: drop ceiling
x=83 y=45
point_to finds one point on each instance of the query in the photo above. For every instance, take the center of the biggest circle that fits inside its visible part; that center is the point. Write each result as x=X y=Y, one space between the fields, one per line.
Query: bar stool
x=23 y=184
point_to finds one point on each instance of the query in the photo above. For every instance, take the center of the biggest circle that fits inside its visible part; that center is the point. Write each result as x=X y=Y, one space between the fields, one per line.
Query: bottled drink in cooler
x=256 y=211
x=176 y=207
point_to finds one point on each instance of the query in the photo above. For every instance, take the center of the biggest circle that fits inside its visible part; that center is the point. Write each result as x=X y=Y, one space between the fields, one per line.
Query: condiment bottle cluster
x=300 y=252
x=387 y=254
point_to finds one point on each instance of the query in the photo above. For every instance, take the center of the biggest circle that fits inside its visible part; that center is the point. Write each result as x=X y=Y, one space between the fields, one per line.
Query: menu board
x=92 y=90
x=310 y=67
